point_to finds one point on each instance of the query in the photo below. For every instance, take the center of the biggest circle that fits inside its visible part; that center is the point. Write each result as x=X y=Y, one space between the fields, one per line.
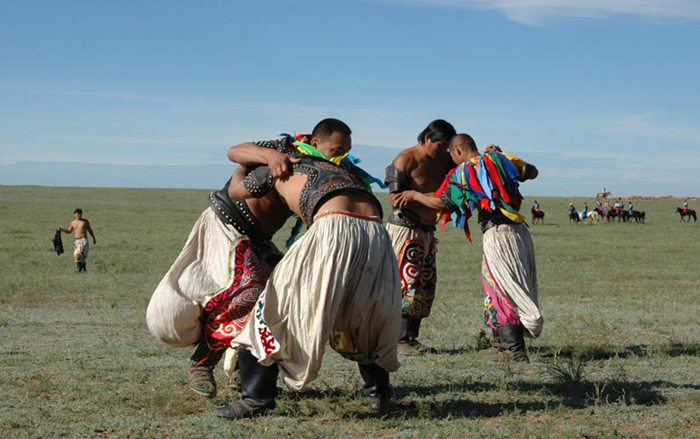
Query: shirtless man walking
x=422 y=168
x=80 y=227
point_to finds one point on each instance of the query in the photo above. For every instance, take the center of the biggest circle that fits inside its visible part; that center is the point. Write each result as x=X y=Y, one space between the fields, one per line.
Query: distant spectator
x=79 y=227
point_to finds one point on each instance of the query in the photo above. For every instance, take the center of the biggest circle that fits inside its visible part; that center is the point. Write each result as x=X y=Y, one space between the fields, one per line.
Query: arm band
x=449 y=204
x=396 y=180
x=258 y=182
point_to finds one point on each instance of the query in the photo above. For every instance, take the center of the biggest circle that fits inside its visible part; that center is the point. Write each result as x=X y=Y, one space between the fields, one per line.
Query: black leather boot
x=513 y=343
x=495 y=341
x=258 y=388
x=377 y=387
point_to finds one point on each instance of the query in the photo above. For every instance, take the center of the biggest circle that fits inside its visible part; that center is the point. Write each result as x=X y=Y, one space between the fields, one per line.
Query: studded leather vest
x=324 y=180
x=237 y=214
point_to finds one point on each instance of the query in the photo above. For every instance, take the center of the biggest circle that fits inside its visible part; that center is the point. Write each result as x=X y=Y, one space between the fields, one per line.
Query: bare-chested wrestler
x=80 y=227
x=206 y=297
x=339 y=283
x=422 y=168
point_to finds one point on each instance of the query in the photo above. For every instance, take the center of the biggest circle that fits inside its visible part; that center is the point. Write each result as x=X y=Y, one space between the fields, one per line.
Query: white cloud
x=534 y=12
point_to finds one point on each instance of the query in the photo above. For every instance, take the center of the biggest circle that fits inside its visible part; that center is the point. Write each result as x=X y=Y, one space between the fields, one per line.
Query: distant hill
x=195 y=176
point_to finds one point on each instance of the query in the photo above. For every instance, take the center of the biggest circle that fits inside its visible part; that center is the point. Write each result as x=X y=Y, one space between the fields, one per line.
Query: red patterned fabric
x=225 y=314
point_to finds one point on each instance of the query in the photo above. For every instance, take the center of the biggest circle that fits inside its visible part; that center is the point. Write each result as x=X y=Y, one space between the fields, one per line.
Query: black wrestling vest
x=324 y=180
x=237 y=214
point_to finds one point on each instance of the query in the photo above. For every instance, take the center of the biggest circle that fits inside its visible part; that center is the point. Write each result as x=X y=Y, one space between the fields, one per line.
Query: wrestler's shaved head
x=332 y=137
x=329 y=126
x=465 y=142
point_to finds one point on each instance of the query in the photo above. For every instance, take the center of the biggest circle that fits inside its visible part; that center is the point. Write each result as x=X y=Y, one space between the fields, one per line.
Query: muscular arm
x=531 y=172
x=89 y=230
x=404 y=163
x=256 y=184
x=236 y=189
x=527 y=171
x=250 y=154
x=415 y=197
x=68 y=230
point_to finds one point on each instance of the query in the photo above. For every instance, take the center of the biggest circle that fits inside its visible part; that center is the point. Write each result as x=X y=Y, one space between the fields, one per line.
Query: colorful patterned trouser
x=225 y=313
x=509 y=276
x=415 y=251
x=498 y=309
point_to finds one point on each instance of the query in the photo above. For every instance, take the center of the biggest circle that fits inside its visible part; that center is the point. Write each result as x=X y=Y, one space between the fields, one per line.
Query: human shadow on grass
x=454 y=351
x=574 y=396
x=587 y=353
x=401 y=390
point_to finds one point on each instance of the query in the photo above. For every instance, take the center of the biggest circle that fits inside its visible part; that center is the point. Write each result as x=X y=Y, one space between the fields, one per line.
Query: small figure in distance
x=80 y=227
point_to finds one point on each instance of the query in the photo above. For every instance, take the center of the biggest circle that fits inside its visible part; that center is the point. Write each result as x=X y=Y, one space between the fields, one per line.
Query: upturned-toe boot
x=512 y=343
x=200 y=373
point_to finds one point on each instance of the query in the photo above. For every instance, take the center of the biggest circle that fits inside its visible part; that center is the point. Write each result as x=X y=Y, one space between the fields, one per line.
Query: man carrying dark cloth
x=489 y=184
x=338 y=284
x=207 y=295
x=421 y=167
x=79 y=227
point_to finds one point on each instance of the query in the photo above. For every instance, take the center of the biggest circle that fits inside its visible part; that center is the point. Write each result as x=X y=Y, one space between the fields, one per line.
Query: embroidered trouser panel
x=225 y=313
x=510 y=278
x=415 y=251
x=498 y=309
x=217 y=265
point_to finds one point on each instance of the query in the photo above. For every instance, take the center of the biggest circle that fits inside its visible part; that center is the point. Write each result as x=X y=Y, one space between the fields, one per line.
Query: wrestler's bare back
x=270 y=211
x=353 y=202
x=427 y=174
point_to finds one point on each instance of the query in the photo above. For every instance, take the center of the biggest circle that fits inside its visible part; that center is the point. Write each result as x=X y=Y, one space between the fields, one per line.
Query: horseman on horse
x=686 y=211
x=573 y=214
x=537 y=212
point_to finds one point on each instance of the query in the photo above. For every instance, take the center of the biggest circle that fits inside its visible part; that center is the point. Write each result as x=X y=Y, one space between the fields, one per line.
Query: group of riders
x=605 y=210
x=617 y=210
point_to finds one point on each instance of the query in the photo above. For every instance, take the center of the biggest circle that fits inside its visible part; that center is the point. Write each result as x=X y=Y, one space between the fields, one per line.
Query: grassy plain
x=618 y=356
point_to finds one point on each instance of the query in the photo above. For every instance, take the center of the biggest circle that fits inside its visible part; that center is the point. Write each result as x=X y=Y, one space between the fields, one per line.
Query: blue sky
x=151 y=94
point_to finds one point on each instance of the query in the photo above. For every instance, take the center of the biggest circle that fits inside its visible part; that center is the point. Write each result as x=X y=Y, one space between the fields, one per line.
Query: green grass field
x=618 y=356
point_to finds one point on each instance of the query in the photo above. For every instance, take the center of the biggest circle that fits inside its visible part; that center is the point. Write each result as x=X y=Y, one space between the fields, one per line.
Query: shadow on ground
x=607 y=352
x=576 y=396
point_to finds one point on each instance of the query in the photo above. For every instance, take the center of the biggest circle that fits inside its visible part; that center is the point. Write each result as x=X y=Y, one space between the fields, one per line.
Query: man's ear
x=314 y=141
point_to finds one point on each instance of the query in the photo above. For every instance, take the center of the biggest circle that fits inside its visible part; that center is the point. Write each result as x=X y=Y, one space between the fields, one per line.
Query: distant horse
x=639 y=216
x=573 y=217
x=620 y=214
x=591 y=217
x=603 y=195
x=689 y=213
x=537 y=214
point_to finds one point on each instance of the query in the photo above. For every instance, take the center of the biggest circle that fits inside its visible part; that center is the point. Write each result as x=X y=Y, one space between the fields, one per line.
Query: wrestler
x=489 y=184
x=422 y=168
x=80 y=227
x=207 y=295
x=339 y=283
